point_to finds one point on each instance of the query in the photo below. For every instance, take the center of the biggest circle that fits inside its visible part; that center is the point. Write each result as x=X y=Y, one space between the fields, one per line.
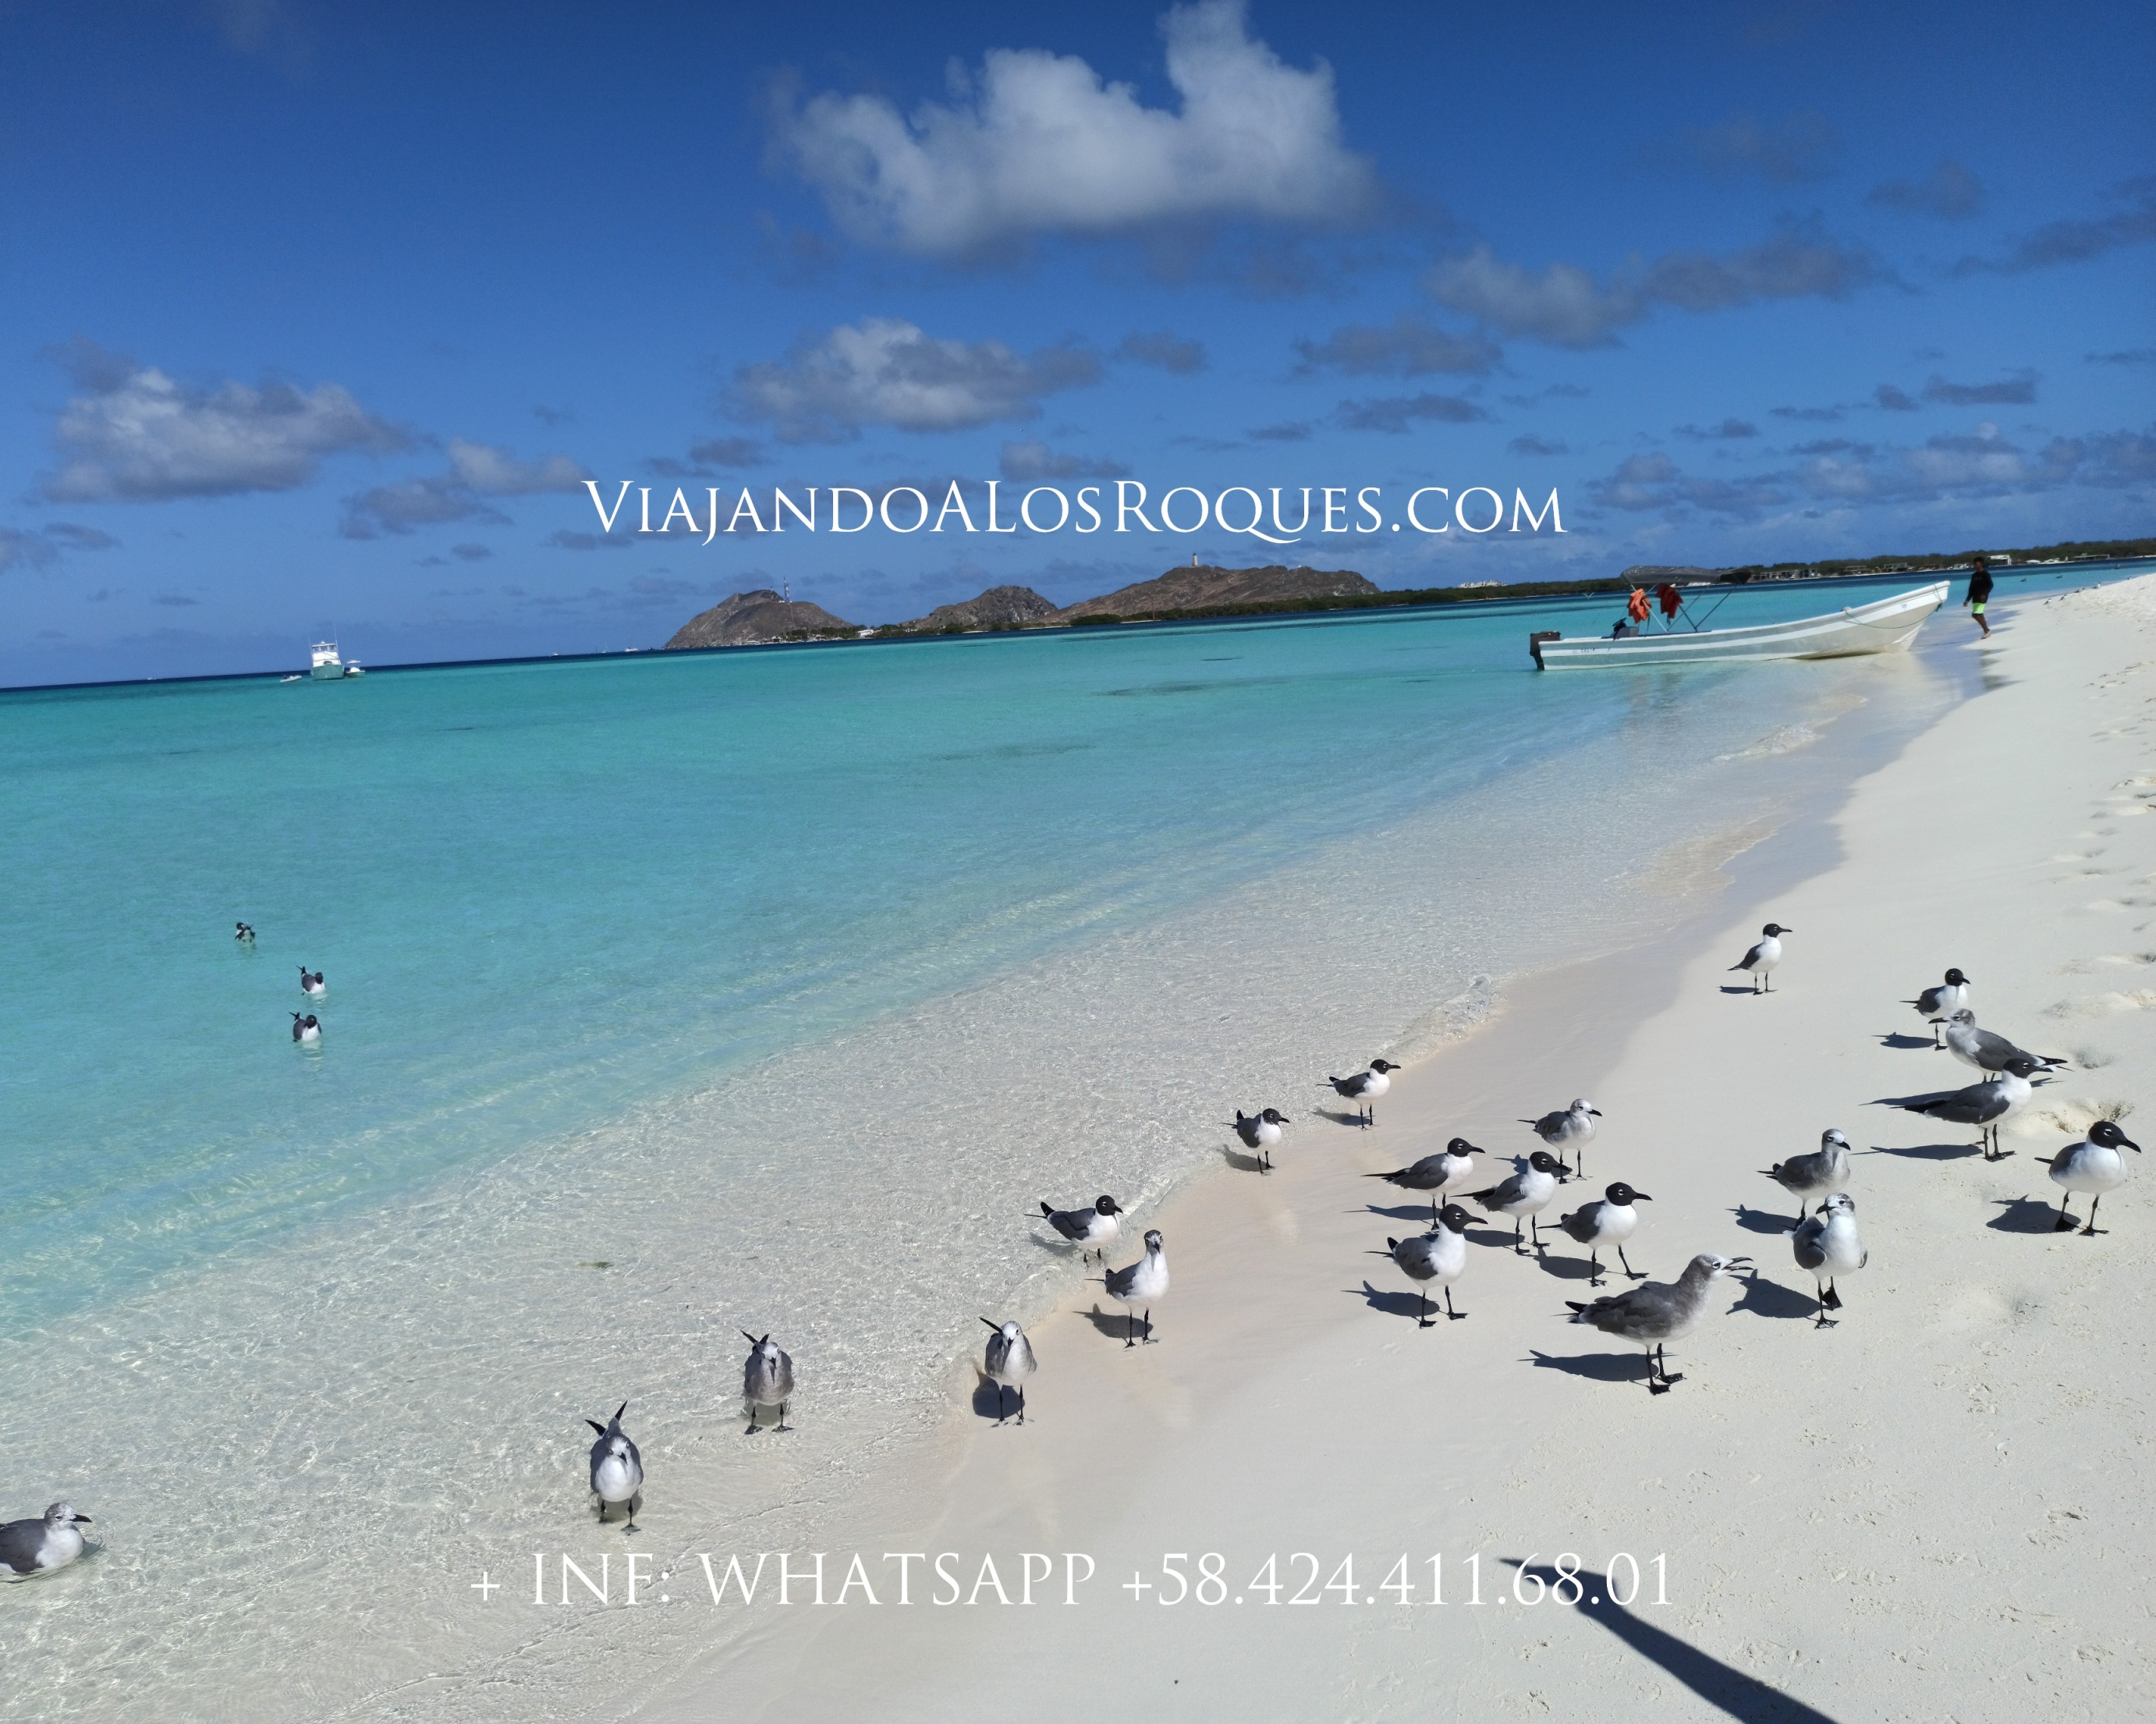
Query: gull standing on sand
x=1439 y=1174
x=1009 y=1363
x=1570 y=1129
x=308 y=1029
x=616 y=1469
x=1986 y=1105
x=311 y=985
x=1365 y=1087
x=1759 y=962
x=1260 y=1131
x=1980 y=1048
x=767 y=1380
x=1608 y=1220
x=43 y=1543
x=1806 y=1177
x=1439 y=1255
x=1655 y=1313
x=1095 y=1229
x=1933 y=1004
x=1827 y=1245
x=1526 y=1193
x=2095 y=1166
x=1140 y=1285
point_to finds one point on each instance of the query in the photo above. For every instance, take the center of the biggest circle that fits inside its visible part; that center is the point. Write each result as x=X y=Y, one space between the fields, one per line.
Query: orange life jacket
x=1638 y=608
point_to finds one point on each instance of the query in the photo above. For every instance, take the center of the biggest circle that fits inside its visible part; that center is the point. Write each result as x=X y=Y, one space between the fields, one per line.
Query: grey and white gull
x=1655 y=1313
x=1609 y=1220
x=1139 y=1285
x=1439 y=1174
x=1438 y=1256
x=1365 y=1087
x=1828 y=1245
x=1260 y=1131
x=1759 y=963
x=1981 y=1048
x=42 y=1543
x=767 y=1380
x=1806 y=1177
x=2094 y=1165
x=1933 y=1004
x=1986 y=1105
x=1569 y=1128
x=1095 y=1229
x=1010 y=1362
x=617 y=1468
x=1525 y=1195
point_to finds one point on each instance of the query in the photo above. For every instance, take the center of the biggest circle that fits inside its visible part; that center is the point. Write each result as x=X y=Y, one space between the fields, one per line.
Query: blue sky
x=322 y=314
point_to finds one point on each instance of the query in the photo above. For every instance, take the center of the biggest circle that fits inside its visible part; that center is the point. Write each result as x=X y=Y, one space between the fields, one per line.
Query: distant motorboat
x=328 y=667
x=1885 y=625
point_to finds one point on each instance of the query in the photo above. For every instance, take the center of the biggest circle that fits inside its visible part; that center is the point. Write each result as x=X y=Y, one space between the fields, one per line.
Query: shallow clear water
x=667 y=995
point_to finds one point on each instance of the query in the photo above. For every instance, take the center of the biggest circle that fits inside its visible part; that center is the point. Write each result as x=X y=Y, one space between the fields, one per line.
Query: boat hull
x=1885 y=625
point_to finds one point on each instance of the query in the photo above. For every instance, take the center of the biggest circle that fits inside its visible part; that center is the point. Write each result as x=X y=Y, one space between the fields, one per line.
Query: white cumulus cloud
x=886 y=372
x=1039 y=142
x=476 y=471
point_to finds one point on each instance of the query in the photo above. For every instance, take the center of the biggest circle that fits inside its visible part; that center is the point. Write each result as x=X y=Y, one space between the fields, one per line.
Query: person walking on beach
x=1979 y=594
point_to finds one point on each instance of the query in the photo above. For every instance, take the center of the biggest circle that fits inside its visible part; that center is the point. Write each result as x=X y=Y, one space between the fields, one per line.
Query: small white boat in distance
x=328 y=667
x=1885 y=625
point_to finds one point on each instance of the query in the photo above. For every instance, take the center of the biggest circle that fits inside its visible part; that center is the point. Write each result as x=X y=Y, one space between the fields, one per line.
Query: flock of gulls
x=1651 y=1315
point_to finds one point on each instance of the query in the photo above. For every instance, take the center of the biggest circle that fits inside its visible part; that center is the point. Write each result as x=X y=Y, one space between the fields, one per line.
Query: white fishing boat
x=1885 y=625
x=328 y=667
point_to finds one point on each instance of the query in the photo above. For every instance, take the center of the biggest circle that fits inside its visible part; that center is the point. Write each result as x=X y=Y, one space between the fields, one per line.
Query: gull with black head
x=1986 y=1105
x=1365 y=1087
x=1933 y=1004
x=1760 y=962
x=1525 y=1195
x=1608 y=1220
x=1260 y=1131
x=1095 y=1229
x=1439 y=1256
x=2095 y=1166
x=1439 y=1174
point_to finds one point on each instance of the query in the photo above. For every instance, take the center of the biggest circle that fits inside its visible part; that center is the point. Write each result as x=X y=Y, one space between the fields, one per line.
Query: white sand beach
x=1933 y=1509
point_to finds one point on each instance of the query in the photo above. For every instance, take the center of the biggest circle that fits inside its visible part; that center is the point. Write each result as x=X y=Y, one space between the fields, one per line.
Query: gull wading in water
x=767 y=1380
x=1608 y=1220
x=1933 y=1004
x=1526 y=1193
x=308 y=1029
x=616 y=1469
x=44 y=1543
x=1140 y=1285
x=243 y=934
x=1655 y=1313
x=1568 y=1130
x=1260 y=1131
x=1009 y=1363
x=1983 y=1050
x=1827 y=1245
x=1986 y=1105
x=1806 y=1177
x=1365 y=1087
x=1095 y=1229
x=2095 y=1166
x=1439 y=1255
x=1758 y=963
x=311 y=984
x=1445 y=1172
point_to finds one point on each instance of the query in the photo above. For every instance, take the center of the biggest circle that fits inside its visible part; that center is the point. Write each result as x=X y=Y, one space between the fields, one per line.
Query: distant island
x=764 y=618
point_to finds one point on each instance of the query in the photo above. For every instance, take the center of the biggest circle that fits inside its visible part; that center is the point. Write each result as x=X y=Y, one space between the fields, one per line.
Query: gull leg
x=2092 y=1226
x=1148 y=1326
x=781 y=1415
x=1519 y=1250
x=1449 y=1310
x=1535 y=1224
x=1422 y=1309
x=1000 y=1415
x=1129 y=1327
x=1021 y=1403
x=2065 y=1224
x=1594 y=1268
x=1655 y=1385
x=1633 y=1273
x=754 y=1412
x=1833 y=1299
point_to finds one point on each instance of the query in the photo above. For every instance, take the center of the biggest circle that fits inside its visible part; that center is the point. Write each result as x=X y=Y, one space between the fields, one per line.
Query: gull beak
x=1596 y=1112
x=2131 y=1144
x=1641 y=1197
x=998 y=1327
x=82 y=1520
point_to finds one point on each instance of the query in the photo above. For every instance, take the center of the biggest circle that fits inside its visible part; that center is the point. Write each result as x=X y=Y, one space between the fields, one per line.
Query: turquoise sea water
x=544 y=893
x=669 y=996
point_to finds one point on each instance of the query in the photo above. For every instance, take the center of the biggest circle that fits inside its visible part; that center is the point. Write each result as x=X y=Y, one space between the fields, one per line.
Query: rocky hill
x=998 y=607
x=756 y=619
x=1203 y=587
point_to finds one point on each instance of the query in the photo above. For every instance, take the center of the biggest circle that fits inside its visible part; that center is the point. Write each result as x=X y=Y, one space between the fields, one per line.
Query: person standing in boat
x=1979 y=594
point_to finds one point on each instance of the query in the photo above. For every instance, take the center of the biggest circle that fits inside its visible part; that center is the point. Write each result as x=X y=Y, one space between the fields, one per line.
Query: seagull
x=243 y=934
x=311 y=985
x=1759 y=962
x=1574 y=1126
x=1806 y=1177
x=1827 y=1243
x=1656 y=1312
x=1526 y=1193
x=1985 y=1105
x=1093 y=1228
x=1010 y=1363
x=1445 y=1172
x=1140 y=1283
x=1933 y=1004
x=1260 y=1131
x=616 y=1469
x=1439 y=1255
x=44 y=1543
x=1608 y=1220
x=2094 y=1167
x=308 y=1029
x=1980 y=1048
x=1365 y=1087
x=767 y=1380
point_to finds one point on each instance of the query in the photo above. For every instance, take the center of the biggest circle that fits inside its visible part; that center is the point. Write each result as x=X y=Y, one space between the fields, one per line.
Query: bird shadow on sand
x=1395 y=1305
x=1116 y=1326
x=1601 y=1367
x=1722 y=1686
x=1765 y=1221
x=1764 y=1298
x=1241 y=1162
x=1410 y=1212
x=1341 y=1116
x=1491 y=1236
x=1895 y=1038
x=2023 y=1215
x=986 y=1403
x=1925 y=1151
x=1567 y=1269
x=1728 y=987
